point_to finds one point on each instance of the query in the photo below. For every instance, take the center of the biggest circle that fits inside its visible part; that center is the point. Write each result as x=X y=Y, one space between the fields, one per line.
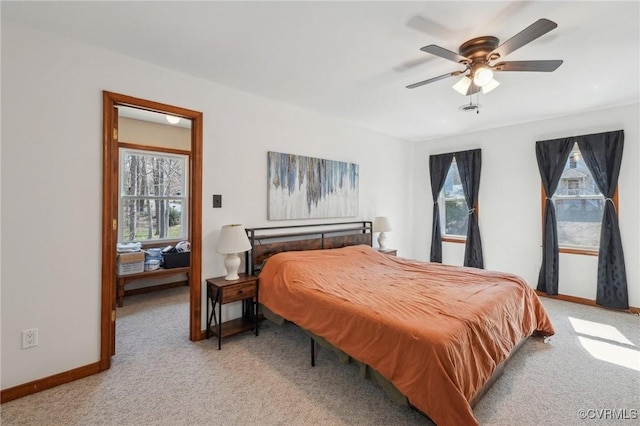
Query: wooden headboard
x=266 y=242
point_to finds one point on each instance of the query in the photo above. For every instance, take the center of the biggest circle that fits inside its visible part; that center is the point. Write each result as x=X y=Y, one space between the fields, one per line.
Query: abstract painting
x=306 y=187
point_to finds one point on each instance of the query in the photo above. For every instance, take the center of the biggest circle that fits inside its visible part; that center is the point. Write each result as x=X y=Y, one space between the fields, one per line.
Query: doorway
x=110 y=212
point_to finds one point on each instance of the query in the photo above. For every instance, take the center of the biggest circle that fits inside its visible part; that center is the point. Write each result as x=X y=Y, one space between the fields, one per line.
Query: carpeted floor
x=158 y=377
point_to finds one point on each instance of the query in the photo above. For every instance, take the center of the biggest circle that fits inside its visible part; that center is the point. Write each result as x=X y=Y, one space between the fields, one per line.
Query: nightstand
x=220 y=292
x=390 y=252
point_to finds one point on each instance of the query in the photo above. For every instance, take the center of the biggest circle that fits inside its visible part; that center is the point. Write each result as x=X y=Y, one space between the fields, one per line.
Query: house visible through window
x=573 y=160
x=579 y=206
x=453 y=207
x=573 y=186
x=153 y=196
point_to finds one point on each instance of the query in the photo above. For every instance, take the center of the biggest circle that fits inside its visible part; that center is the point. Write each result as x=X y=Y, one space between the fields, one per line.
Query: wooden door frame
x=110 y=162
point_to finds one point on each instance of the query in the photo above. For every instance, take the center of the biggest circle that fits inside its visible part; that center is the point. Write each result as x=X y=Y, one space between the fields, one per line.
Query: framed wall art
x=306 y=188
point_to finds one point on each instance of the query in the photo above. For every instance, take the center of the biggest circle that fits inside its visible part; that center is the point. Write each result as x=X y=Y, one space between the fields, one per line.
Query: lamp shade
x=462 y=85
x=381 y=224
x=490 y=86
x=233 y=239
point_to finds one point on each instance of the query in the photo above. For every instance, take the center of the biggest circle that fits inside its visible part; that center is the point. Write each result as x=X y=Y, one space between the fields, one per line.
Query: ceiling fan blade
x=473 y=89
x=532 y=32
x=536 y=66
x=446 y=54
x=431 y=80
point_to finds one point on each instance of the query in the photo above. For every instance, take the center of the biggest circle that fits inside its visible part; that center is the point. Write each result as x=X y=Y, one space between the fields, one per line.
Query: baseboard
x=203 y=335
x=583 y=301
x=35 y=386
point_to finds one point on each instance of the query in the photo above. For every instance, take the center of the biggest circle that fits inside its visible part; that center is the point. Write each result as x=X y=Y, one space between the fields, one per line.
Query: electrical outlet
x=29 y=338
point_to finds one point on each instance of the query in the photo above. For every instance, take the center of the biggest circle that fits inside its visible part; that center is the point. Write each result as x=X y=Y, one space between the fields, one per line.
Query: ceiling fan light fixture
x=482 y=76
x=490 y=86
x=462 y=85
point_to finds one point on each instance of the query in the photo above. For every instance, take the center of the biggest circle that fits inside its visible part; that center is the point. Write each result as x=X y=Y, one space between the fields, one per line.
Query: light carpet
x=159 y=377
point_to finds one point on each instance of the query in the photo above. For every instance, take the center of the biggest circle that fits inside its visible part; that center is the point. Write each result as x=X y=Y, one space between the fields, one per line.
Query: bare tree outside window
x=455 y=212
x=152 y=196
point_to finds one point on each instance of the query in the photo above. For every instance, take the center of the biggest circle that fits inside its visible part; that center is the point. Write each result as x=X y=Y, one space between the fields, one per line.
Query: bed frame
x=268 y=241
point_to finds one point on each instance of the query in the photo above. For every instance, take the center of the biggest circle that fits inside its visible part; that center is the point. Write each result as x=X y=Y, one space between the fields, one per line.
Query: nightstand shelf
x=235 y=326
x=221 y=292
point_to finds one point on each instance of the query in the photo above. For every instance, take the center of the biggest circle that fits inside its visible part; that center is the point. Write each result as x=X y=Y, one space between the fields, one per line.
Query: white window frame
x=184 y=198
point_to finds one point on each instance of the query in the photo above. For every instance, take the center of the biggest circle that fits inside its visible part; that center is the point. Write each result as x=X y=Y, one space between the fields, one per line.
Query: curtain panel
x=602 y=153
x=438 y=169
x=552 y=155
x=469 y=165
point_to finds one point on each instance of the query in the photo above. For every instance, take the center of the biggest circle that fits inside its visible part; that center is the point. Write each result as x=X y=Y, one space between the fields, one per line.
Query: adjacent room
x=310 y=212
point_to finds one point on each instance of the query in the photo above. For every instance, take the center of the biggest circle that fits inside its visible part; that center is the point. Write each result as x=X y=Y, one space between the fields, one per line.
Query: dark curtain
x=602 y=153
x=438 y=169
x=469 y=164
x=552 y=156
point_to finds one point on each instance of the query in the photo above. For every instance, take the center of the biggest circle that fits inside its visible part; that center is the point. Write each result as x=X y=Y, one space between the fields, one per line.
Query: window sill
x=160 y=243
x=454 y=240
x=586 y=252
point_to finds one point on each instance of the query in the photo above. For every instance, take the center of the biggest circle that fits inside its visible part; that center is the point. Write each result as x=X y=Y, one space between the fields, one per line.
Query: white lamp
x=233 y=240
x=381 y=224
x=490 y=86
x=172 y=119
x=462 y=85
x=482 y=76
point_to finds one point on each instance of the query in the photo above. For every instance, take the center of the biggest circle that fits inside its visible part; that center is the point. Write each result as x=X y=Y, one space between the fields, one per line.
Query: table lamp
x=233 y=240
x=381 y=224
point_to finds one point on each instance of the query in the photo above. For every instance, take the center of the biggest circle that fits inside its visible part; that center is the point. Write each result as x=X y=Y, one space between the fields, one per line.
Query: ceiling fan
x=479 y=55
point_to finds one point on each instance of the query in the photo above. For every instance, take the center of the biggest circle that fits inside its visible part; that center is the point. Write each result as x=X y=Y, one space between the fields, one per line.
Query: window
x=453 y=207
x=573 y=186
x=153 y=196
x=579 y=206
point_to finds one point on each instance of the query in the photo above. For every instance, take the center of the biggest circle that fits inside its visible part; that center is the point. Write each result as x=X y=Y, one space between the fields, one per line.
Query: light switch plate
x=217 y=201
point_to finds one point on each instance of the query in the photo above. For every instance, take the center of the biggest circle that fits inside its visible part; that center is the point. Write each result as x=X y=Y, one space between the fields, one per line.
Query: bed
x=439 y=334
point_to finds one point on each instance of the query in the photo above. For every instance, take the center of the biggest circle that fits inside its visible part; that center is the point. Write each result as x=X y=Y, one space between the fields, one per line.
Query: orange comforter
x=436 y=332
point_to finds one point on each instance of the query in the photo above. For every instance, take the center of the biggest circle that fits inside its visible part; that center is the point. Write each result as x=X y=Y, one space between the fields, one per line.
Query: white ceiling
x=352 y=60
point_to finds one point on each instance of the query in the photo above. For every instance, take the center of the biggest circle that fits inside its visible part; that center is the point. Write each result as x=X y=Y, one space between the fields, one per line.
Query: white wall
x=51 y=182
x=51 y=116
x=509 y=200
